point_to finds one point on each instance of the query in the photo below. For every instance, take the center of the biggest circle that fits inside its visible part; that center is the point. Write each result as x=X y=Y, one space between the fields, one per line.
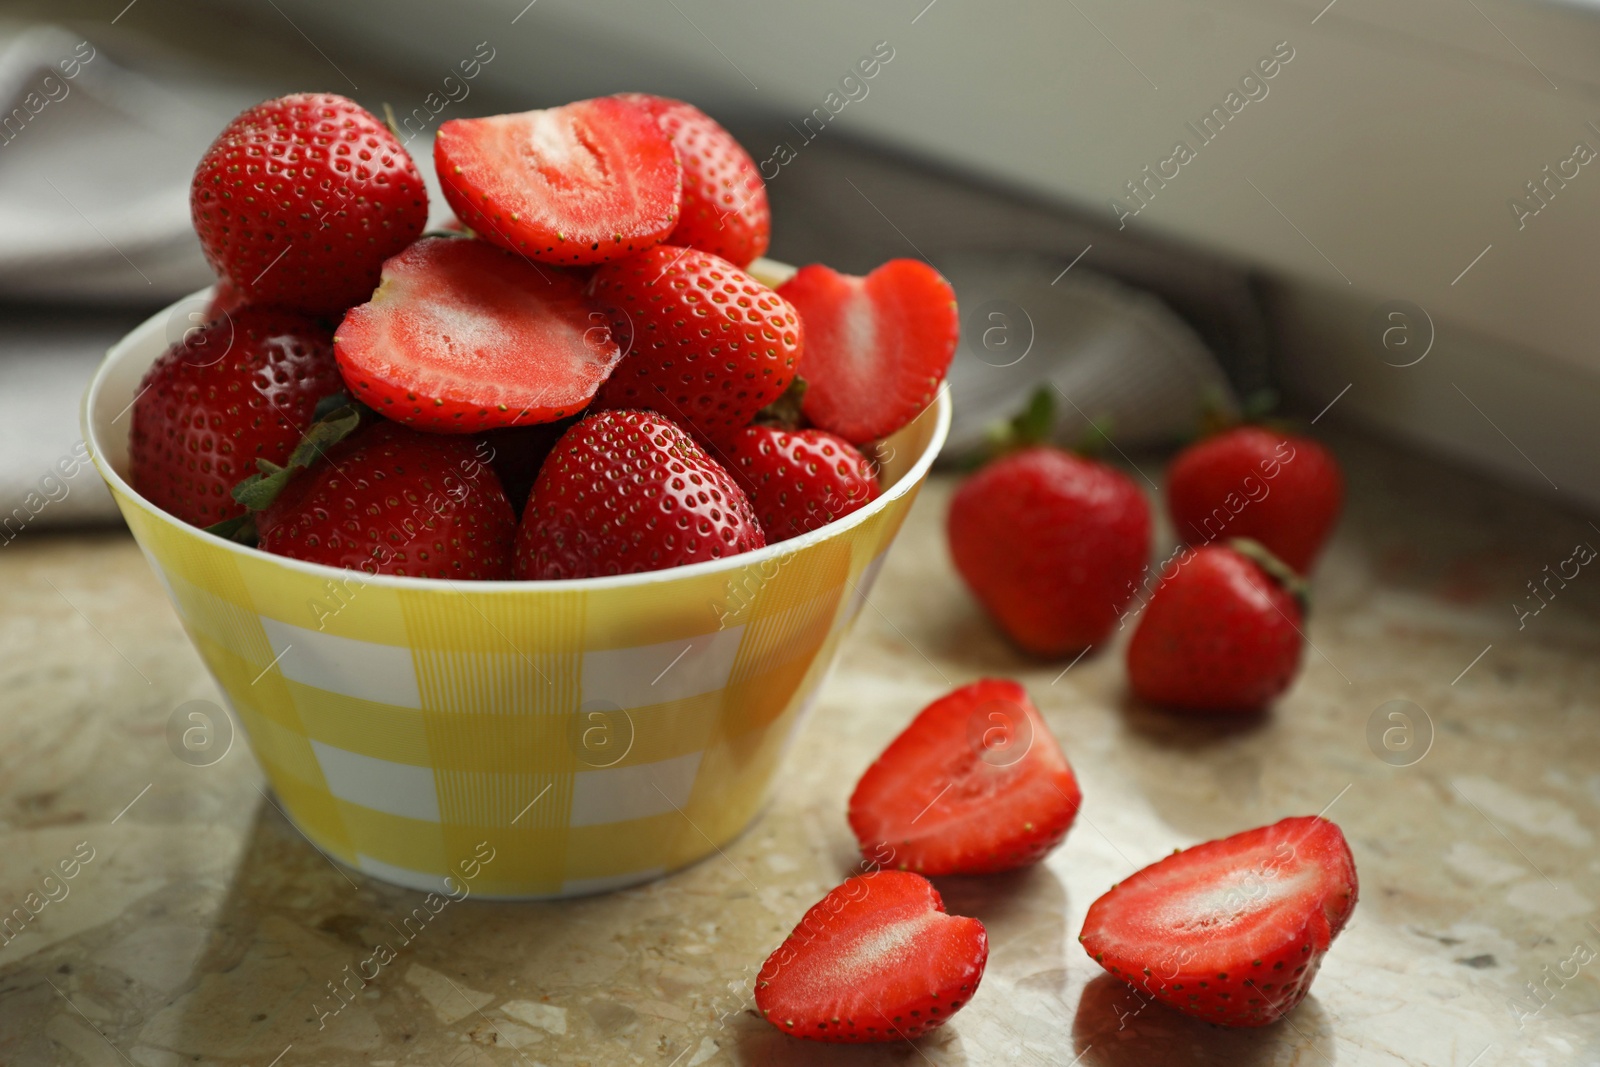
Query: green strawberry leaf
x=784 y=412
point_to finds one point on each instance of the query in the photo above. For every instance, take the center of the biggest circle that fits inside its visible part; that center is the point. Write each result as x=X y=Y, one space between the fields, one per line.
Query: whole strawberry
x=1280 y=489
x=1221 y=631
x=723 y=209
x=710 y=345
x=630 y=491
x=390 y=500
x=300 y=200
x=798 y=480
x=1230 y=931
x=241 y=388
x=1052 y=545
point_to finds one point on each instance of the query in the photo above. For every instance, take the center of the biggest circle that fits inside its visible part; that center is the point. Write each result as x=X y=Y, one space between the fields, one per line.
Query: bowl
x=540 y=739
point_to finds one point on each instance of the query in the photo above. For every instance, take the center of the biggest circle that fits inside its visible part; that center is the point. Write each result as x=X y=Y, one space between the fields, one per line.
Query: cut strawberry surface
x=975 y=784
x=876 y=347
x=462 y=336
x=877 y=959
x=1230 y=931
x=585 y=183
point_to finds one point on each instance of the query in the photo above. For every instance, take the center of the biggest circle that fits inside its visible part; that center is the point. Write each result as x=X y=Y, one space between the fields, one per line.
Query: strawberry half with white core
x=630 y=491
x=877 y=959
x=976 y=784
x=876 y=347
x=1230 y=931
x=585 y=183
x=724 y=207
x=462 y=336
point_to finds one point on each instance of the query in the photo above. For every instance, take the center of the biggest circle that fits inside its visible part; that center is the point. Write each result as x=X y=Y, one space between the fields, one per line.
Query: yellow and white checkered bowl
x=595 y=732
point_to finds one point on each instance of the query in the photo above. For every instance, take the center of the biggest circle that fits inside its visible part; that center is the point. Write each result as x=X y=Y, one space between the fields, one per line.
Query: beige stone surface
x=204 y=929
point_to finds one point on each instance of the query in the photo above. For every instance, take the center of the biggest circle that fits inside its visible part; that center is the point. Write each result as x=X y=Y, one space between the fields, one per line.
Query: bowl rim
x=151 y=330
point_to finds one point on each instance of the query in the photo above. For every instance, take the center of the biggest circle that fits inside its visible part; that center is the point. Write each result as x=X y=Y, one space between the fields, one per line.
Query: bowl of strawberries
x=518 y=548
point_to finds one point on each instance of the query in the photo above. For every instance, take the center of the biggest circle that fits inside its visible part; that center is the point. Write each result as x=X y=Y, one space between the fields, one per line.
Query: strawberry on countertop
x=1221 y=631
x=976 y=784
x=239 y=389
x=630 y=491
x=1280 y=489
x=710 y=345
x=1230 y=931
x=876 y=347
x=877 y=959
x=724 y=206
x=588 y=182
x=463 y=336
x=300 y=200
x=1052 y=544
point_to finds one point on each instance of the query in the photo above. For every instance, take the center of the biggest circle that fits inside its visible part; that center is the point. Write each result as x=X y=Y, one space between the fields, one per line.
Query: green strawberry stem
x=337 y=417
x=1276 y=569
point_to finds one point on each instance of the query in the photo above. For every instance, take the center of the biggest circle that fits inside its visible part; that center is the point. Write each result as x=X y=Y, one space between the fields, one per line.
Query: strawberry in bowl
x=439 y=676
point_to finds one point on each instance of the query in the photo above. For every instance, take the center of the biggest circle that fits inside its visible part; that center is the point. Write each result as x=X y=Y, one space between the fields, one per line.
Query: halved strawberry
x=462 y=336
x=1231 y=931
x=975 y=784
x=876 y=347
x=584 y=183
x=724 y=208
x=877 y=959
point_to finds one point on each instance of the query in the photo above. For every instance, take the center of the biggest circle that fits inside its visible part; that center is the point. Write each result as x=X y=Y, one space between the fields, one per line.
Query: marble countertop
x=197 y=926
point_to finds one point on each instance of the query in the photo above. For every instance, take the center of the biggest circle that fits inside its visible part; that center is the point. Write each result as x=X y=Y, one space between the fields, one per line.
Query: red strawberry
x=877 y=959
x=1051 y=544
x=239 y=389
x=976 y=784
x=393 y=501
x=462 y=336
x=1221 y=631
x=876 y=347
x=1231 y=931
x=724 y=206
x=629 y=491
x=585 y=183
x=1282 y=490
x=711 y=346
x=300 y=200
x=798 y=480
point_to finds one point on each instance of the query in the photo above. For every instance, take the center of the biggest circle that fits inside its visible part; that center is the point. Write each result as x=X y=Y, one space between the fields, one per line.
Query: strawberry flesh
x=589 y=182
x=877 y=959
x=393 y=501
x=1230 y=931
x=876 y=347
x=462 y=336
x=630 y=491
x=975 y=784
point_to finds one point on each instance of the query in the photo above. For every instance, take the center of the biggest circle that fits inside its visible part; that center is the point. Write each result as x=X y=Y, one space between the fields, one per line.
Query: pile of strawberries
x=579 y=379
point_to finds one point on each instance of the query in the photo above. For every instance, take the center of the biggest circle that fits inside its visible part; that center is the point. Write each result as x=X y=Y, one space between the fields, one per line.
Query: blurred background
x=1382 y=213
